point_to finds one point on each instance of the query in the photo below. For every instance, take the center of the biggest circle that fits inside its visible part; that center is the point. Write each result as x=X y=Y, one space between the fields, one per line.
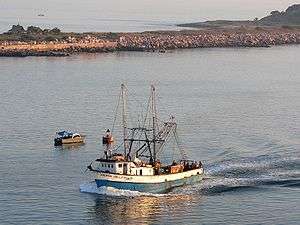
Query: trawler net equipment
x=146 y=140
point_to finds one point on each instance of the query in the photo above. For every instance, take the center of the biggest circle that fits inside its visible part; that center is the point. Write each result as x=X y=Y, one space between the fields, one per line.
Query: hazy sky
x=71 y=14
x=150 y=8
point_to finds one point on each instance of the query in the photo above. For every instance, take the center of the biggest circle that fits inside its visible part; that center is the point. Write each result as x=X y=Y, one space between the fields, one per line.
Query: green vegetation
x=33 y=33
x=18 y=33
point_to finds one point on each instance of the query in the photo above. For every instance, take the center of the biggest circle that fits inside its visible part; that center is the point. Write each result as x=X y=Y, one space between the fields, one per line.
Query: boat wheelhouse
x=139 y=167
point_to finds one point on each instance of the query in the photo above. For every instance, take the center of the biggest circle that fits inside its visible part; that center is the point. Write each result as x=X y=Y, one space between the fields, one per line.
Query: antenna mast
x=124 y=117
x=154 y=120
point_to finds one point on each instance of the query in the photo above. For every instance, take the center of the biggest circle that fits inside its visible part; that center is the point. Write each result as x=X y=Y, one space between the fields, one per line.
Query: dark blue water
x=238 y=110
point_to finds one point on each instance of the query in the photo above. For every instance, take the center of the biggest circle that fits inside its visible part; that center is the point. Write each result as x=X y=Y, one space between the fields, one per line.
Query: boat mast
x=154 y=122
x=124 y=118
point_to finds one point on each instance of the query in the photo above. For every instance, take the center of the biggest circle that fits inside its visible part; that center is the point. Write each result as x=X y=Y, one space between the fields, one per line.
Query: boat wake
x=248 y=173
x=92 y=188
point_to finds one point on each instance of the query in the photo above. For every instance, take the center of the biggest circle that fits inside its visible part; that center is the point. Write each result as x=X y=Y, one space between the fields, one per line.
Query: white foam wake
x=92 y=188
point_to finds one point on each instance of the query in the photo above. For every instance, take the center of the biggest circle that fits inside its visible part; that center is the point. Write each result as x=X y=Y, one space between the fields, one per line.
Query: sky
x=72 y=13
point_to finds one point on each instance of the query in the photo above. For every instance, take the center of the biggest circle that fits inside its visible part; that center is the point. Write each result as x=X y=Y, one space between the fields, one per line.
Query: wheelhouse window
x=120 y=165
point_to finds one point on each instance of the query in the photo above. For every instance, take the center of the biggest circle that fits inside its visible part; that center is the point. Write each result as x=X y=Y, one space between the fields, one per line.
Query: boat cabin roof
x=67 y=134
x=107 y=160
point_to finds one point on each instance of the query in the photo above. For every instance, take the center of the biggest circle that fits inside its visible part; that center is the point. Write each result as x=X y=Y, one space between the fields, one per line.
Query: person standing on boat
x=107 y=138
x=108 y=134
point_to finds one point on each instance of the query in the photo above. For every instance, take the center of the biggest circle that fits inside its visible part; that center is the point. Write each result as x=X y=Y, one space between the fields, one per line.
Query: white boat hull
x=153 y=184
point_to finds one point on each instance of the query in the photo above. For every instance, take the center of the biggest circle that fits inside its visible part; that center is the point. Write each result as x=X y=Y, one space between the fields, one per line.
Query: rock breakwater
x=152 y=41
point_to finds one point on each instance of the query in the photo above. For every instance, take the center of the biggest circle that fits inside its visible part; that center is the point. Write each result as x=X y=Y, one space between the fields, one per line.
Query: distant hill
x=290 y=17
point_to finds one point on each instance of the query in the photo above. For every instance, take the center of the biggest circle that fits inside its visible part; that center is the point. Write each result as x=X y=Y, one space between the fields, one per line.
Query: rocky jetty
x=208 y=39
x=32 y=53
x=64 y=44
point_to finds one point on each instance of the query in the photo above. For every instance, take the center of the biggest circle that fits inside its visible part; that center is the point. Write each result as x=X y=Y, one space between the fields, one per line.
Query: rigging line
x=147 y=112
x=132 y=94
x=131 y=119
x=168 y=134
x=176 y=140
x=145 y=118
x=115 y=149
x=141 y=104
x=118 y=146
x=167 y=139
x=116 y=112
x=174 y=150
x=162 y=106
x=129 y=105
x=142 y=110
x=147 y=109
x=181 y=150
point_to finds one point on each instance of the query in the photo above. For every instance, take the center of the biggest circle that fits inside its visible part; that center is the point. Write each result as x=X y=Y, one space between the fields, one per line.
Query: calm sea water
x=238 y=111
x=129 y=15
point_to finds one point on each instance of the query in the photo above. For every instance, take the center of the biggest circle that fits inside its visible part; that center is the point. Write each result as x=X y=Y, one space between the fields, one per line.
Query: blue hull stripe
x=149 y=187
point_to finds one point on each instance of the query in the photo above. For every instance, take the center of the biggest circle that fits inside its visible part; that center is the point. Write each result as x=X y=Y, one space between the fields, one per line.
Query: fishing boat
x=66 y=137
x=138 y=166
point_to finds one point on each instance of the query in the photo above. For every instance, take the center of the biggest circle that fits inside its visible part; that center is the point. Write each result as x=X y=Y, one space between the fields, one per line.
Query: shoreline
x=65 y=44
